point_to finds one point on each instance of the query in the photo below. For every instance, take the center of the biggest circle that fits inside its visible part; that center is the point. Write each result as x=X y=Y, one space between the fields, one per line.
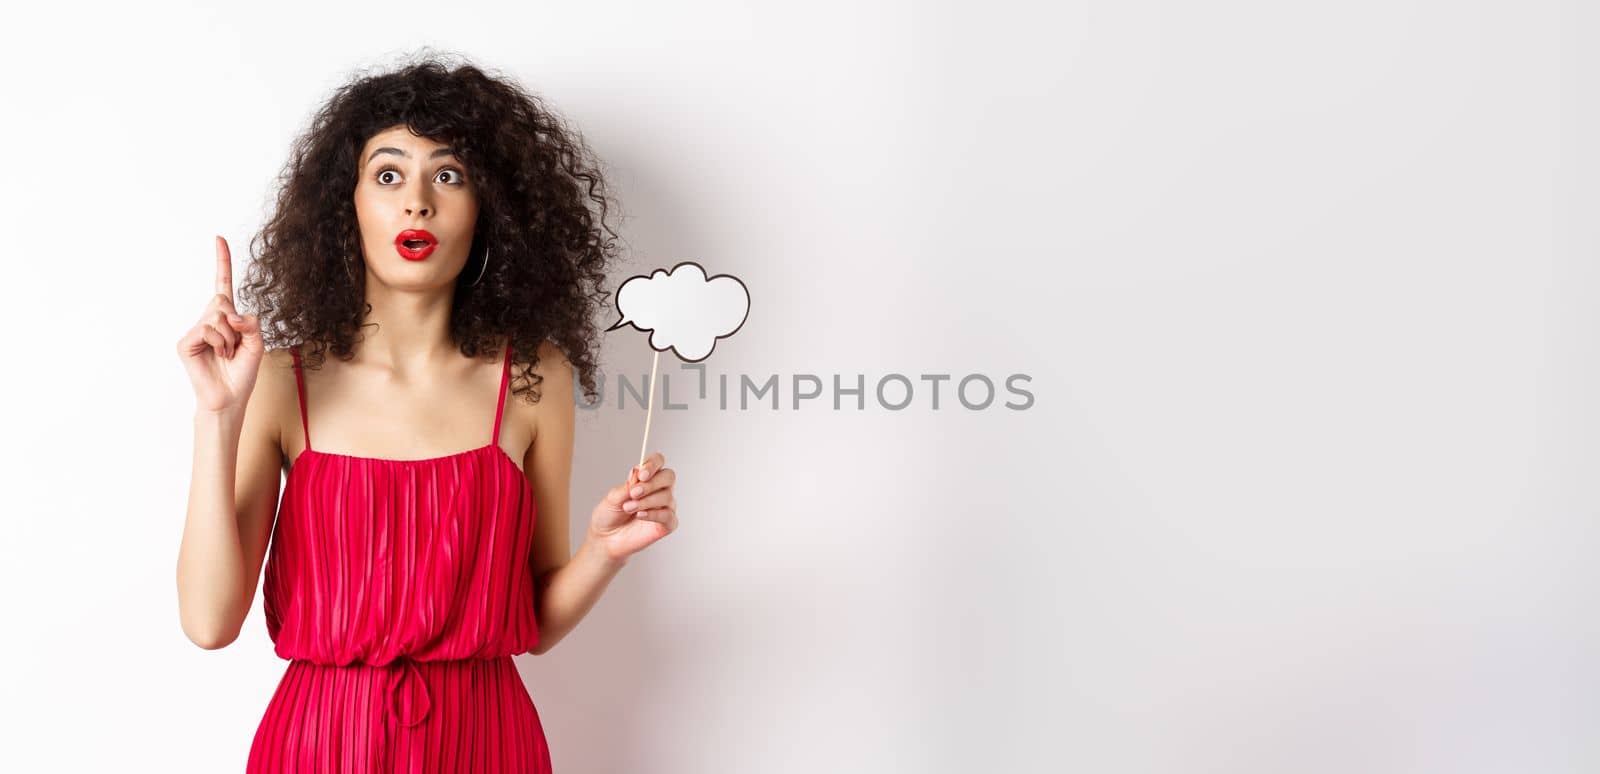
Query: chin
x=416 y=275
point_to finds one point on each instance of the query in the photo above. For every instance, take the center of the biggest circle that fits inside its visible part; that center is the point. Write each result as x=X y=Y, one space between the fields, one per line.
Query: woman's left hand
x=635 y=514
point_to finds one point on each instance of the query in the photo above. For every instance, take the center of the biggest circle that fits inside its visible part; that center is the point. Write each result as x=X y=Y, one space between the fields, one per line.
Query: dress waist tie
x=409 y=702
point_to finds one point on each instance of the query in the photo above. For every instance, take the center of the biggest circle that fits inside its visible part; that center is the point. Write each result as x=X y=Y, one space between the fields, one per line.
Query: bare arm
x=233 y=496
x=233 y=484
x=570 y=591
x=568 y=585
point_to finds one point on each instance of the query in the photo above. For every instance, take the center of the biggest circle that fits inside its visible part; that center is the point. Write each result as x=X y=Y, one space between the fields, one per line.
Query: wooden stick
x=649 y=405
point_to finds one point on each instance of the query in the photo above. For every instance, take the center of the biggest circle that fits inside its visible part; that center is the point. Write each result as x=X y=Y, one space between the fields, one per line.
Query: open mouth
x=414 y=244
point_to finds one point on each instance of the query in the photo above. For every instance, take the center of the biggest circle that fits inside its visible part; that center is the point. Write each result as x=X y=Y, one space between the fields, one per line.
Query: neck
x=413 y=331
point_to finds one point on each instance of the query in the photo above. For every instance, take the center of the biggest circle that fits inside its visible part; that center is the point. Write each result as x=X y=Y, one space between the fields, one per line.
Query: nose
x=418 y=202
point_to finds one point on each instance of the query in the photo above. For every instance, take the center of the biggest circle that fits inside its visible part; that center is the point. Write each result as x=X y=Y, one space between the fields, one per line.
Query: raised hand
x=635 y=514
x=222 y=352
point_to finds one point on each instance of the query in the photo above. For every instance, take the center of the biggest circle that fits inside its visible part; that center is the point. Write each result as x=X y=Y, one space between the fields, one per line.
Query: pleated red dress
x=399 y=590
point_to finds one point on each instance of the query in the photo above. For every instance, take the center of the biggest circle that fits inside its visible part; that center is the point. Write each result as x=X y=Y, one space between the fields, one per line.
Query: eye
x=452 y=171
x=386 y=171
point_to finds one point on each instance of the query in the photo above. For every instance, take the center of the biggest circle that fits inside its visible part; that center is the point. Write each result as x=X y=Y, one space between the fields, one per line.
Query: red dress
x=400 y=590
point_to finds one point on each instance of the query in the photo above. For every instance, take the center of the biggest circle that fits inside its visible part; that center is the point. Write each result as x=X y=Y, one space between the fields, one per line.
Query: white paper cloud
x=683 y=309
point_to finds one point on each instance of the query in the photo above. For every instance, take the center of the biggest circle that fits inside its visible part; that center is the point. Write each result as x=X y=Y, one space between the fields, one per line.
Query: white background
x=1305 y=290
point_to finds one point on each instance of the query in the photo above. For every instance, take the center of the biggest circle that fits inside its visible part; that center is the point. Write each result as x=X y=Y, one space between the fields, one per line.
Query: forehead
x=402 y=138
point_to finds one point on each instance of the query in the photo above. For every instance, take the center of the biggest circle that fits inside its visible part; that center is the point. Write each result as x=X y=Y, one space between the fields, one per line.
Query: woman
x=432 y=232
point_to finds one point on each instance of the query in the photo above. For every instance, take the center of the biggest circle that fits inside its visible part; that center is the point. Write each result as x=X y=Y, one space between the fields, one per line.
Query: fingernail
x=645 y=476
x=638 y=490
x=629 y=505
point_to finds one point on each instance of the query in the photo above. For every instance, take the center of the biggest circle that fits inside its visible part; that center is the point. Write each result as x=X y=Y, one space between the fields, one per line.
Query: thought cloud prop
x=684 y=310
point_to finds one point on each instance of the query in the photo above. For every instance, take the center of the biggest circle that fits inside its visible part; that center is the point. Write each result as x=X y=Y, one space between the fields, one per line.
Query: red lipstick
x=422 y=243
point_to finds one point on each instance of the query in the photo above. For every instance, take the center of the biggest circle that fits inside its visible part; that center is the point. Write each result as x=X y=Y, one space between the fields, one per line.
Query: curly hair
x=536 y=180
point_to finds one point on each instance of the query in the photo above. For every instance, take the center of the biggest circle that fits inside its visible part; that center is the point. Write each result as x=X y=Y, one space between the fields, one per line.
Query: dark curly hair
x=535 y=180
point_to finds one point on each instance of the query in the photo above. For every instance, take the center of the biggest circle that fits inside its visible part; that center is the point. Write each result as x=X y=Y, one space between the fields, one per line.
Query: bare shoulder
x=553 y=362
x=555 y=386
x=279 y=361
x=556 y=371
x=275 y=397
x=276 y=377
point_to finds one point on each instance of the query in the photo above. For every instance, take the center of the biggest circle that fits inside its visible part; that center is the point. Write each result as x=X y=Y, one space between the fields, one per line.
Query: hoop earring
x=481 y=268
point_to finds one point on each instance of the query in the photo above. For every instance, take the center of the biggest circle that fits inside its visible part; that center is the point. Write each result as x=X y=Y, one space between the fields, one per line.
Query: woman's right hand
x=222 y=352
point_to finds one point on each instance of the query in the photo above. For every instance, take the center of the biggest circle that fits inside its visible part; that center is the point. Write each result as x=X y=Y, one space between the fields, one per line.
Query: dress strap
x=500 y=406
x=300 y=389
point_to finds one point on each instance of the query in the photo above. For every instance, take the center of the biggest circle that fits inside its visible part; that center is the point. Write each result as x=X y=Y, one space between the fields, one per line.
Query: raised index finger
x=224 y=268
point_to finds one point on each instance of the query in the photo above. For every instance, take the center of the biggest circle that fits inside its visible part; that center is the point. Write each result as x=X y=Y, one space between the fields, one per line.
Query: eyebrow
x=447 y=151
